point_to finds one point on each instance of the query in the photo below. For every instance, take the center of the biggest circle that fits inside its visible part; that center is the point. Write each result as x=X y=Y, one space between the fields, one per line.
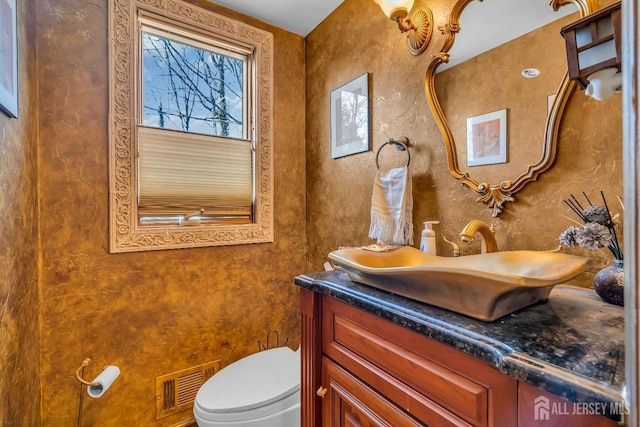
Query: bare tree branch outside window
x=191 y=89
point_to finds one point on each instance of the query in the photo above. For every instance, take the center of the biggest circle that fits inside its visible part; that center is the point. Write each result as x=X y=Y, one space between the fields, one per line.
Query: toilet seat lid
x=251 y=382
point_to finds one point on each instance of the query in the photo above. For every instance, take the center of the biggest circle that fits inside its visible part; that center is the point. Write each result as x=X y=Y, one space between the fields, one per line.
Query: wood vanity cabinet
x=361 y=370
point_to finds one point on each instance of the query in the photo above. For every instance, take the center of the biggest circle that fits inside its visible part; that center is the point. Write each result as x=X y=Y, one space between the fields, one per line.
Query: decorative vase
x=609 y=283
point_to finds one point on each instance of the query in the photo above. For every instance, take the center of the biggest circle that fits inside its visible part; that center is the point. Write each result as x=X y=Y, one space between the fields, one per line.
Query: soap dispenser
x=428 y=240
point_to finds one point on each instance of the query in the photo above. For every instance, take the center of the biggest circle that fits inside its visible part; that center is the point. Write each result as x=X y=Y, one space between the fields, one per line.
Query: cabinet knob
x=321 y=391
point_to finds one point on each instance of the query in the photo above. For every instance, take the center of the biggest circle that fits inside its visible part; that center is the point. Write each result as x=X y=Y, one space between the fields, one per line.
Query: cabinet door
x=348 y=402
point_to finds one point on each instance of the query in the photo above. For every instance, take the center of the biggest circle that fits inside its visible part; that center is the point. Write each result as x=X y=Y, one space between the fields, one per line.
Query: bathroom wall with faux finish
x=150 y=313
x=358 y=38
x=20 y=342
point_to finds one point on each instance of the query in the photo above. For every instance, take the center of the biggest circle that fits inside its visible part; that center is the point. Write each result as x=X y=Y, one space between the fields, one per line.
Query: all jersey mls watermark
x=544 y=410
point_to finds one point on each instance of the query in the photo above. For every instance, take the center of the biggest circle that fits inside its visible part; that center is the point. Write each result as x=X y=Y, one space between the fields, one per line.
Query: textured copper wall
x=358 y=38
x=156 y=312
x=19 y=328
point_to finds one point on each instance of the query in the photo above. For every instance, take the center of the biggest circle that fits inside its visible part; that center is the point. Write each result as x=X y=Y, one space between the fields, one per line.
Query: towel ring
x=401 y=143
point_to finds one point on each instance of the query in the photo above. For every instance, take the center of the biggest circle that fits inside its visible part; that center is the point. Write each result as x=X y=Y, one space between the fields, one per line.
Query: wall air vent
x=176 y=392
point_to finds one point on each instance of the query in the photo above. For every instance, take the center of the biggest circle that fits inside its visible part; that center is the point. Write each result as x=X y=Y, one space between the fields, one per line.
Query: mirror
x=499 y=108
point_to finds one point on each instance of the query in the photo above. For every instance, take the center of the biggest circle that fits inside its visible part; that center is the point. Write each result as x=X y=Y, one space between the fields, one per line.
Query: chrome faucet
x=470 y=230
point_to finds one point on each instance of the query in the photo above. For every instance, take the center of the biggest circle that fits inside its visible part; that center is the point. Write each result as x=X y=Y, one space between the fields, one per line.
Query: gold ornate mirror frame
x=496 y=195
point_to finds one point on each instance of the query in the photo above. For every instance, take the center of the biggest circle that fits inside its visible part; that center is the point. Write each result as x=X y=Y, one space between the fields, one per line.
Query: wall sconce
x=419 y=27
x=594 y=52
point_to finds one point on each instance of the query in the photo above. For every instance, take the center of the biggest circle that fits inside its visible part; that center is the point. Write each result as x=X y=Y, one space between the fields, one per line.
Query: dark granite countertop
x=571 y=346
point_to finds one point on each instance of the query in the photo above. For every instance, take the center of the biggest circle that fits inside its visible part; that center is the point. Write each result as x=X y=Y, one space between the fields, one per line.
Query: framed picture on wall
x=487 y=139
x=350 y=118
x=8 y=58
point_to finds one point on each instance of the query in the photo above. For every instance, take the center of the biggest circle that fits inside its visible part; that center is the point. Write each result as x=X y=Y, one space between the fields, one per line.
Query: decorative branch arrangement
x=598 y=231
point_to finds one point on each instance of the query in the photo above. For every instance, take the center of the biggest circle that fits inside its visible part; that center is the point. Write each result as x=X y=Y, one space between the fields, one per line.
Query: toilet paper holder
x=83 y=365
x=101 y=383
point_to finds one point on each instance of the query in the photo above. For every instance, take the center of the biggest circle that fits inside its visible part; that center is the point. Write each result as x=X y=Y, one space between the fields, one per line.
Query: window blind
x=182 y=173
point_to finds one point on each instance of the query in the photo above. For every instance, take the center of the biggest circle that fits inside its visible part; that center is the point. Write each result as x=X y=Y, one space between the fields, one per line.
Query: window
x=195 y=157
x=190 y=149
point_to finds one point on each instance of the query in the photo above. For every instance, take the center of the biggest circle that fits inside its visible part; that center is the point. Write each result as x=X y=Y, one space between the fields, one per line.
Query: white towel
x=391 y=207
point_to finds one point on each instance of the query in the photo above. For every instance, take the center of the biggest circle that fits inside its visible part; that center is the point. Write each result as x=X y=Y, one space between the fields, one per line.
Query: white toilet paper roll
x=603 y=84
x=103 y=381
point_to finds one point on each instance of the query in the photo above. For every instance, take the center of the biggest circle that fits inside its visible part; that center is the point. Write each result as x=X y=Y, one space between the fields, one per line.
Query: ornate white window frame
x=126 y=235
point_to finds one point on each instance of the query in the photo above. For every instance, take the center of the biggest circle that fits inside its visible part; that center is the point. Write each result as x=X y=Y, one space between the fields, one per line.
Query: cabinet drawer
x=349 y=402
x=366 y=345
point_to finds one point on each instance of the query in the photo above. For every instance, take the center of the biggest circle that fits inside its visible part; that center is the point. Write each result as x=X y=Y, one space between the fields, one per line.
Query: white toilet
x=260 y=390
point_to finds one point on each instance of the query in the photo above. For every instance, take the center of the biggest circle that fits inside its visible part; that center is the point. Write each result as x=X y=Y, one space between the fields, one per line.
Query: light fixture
x=594 y=52
x=418 y=28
